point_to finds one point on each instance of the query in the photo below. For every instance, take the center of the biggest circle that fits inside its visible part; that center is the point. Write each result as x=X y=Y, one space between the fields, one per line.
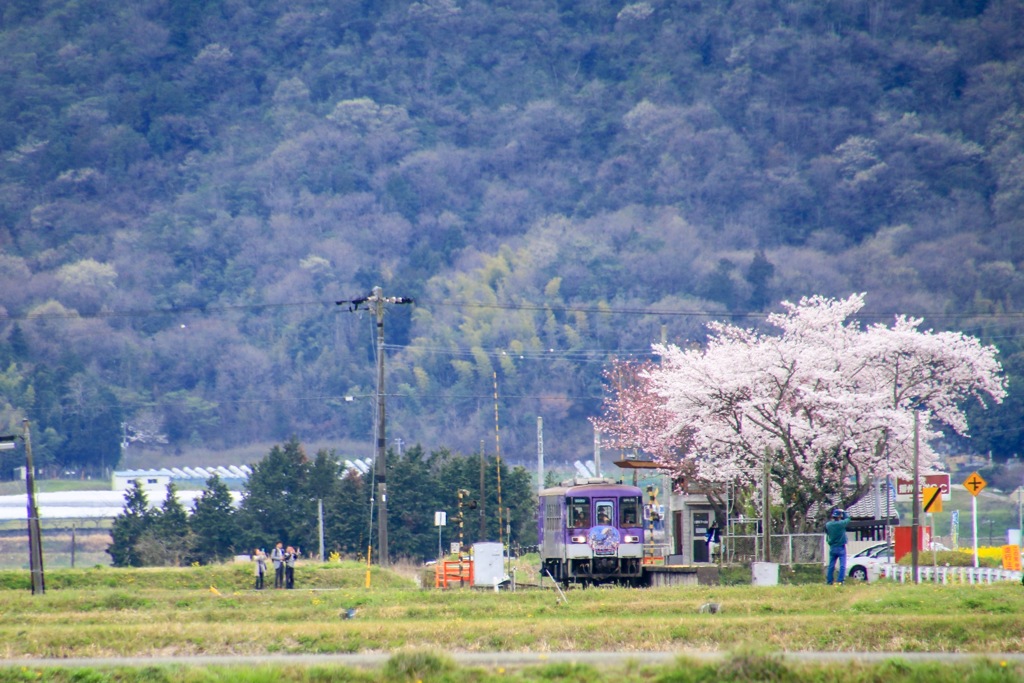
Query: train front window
x=579 y=513
x=629 y=509
x=605 y=512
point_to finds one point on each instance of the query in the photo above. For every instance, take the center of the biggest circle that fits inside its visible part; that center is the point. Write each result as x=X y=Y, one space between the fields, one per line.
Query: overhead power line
x=211 y=309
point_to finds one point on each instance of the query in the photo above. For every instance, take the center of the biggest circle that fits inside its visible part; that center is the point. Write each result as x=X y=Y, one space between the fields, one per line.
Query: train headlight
x=579 y=539
x=631 y=539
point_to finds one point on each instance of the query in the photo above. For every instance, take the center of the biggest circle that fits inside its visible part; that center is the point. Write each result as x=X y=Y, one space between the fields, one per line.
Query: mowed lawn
x=104 y=612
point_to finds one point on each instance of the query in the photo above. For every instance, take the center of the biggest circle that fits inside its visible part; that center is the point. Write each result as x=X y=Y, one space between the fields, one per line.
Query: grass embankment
x=104 y=612
x=434 y=668
x=12 y=488
x=210 y=610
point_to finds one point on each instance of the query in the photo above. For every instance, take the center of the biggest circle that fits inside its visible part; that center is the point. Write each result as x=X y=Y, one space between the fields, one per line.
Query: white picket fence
x=948 y=575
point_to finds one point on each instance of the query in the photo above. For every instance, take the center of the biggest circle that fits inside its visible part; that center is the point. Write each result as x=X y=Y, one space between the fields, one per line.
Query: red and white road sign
x=905 y=487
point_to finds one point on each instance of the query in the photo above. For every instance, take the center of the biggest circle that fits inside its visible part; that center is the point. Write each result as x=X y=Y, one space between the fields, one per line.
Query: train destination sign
x=905 y=487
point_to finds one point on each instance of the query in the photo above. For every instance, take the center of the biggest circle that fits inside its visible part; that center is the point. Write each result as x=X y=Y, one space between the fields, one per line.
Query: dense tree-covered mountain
x=186 y=188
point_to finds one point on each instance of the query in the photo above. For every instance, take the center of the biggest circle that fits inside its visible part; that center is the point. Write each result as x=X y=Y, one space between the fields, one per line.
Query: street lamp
x=35 y=540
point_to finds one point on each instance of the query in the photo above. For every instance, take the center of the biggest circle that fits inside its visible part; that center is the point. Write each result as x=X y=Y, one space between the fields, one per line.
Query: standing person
x=713 y=538
x=277 y=557
x=261 y=567
x=289 y=567
x=835 y=532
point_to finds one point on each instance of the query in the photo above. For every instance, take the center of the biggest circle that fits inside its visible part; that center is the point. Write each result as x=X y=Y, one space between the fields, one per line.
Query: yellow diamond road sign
x=975 y=483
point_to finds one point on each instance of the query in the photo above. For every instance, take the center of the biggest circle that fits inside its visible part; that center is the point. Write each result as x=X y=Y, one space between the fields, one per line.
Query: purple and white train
x=592 y=531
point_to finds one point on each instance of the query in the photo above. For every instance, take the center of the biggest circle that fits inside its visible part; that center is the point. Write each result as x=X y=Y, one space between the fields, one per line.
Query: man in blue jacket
x=835 y=532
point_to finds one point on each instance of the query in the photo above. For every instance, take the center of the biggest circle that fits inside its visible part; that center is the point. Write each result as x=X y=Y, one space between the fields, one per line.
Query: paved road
x=502 y=659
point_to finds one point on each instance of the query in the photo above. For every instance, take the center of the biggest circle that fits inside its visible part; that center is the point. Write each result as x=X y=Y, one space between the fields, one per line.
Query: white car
x=866 y=565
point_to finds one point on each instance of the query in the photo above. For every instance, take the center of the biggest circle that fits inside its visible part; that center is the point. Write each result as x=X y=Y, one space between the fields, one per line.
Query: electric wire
x=463 y=304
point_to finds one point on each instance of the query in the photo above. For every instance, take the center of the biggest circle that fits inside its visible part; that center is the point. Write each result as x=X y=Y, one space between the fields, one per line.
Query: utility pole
x=320 y=526
x=766 y=521
x=376 y=300
x=482 y=533
x=540 y=453
x=35 y=540
x=497 y=457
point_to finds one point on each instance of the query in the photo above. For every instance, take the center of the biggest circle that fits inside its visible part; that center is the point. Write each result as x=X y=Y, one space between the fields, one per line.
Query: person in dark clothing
x=835 y=533
x=714 y=539
x=277 y=557
x=290 y=555
x=261 y=567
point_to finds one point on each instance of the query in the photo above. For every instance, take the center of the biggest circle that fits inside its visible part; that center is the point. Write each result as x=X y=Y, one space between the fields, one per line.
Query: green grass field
x=105 y=612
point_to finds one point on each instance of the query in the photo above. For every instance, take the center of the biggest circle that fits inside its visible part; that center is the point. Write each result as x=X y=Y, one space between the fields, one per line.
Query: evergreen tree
x=414 y=493
x=464 y=473
x=346 y=520
x=281 y=496
x=128 y=528
x=759 y=273
x=317 y=483
x=167 y=540
x=19 y=345
x=214 y=523
x=521 y=500
x=276 y=498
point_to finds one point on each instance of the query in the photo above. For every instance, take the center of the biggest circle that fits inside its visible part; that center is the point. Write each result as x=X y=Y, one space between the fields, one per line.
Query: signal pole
x=377 y=300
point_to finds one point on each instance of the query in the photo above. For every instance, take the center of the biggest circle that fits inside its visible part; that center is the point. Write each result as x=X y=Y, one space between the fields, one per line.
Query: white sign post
x=440 y=519
x=974 y=485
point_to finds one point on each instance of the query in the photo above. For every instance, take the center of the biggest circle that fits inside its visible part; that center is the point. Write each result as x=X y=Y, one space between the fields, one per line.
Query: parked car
x=866 y=565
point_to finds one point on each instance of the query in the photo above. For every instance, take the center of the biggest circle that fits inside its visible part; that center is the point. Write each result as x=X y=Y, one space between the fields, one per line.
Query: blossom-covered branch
x=825 y=402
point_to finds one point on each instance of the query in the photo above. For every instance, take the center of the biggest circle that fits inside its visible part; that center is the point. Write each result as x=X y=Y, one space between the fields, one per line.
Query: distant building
x=152 y=481
x=156 y=480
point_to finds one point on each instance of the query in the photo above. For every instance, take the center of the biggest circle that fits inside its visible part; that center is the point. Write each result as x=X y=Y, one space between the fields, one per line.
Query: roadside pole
x=931 y=525
x=35 y=539
x=974 y=527
x=974 y=485
x=915 y=524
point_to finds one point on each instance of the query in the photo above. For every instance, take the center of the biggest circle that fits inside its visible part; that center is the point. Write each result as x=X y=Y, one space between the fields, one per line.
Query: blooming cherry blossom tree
x=635 y=417
x=825 y=403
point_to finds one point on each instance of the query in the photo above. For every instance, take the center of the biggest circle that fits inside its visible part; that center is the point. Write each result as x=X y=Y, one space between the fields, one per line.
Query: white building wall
x=151 y=483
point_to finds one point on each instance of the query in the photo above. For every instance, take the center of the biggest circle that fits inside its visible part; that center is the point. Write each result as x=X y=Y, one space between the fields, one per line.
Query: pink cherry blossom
x=825 y=401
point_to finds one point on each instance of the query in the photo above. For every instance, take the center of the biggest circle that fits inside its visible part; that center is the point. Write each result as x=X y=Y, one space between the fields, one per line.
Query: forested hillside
x=186 y=188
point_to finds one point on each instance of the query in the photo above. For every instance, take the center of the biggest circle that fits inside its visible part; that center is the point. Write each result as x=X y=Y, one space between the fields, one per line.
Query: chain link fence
x=785 y=548
x=85 y=547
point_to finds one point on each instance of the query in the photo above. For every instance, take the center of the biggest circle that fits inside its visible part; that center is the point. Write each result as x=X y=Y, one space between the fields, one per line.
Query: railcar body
x=592 y=531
